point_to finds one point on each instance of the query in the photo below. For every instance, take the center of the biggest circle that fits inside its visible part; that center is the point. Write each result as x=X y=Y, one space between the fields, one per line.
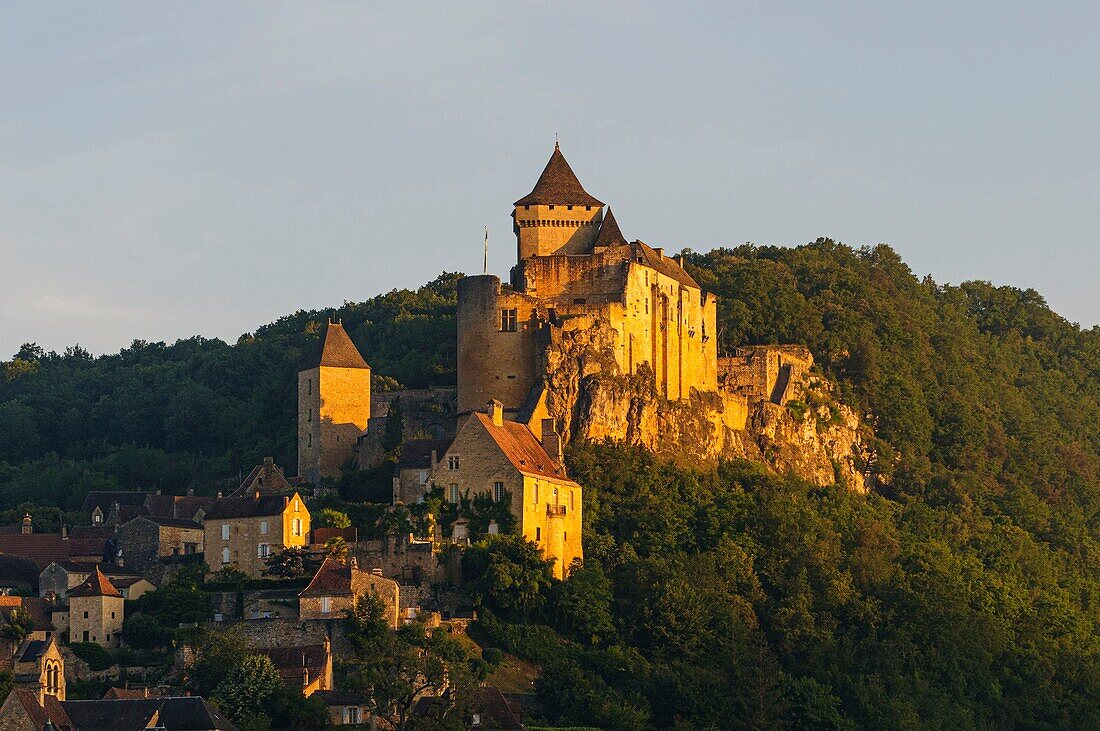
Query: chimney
x=680 y=260
x=219 y=494
x=190 y=492
x=256 y=494
x=551 y=441
x=28 y=525
x=660 y=253
x=495 y=410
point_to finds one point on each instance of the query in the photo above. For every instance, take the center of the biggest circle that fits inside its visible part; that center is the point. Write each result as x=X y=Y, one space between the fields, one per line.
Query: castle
x=575 y=269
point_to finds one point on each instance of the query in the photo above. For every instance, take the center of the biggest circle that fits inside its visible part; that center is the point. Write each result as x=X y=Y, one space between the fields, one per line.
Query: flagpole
x=485 y=259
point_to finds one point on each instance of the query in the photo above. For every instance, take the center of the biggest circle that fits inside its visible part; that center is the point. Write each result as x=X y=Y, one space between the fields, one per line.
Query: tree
x=292 y=562
x=394 y=434
x=583 y=604
x=332 y=518
x=509 y=573
x=18 y=625
x=247 y=686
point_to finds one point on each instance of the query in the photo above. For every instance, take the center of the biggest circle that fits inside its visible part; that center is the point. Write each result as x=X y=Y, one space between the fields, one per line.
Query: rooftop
x=523 y=450
x=334 y=350
x=558 y=185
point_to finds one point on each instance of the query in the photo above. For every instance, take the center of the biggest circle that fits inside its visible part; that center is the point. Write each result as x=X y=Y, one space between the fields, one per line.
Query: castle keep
x=575 y=269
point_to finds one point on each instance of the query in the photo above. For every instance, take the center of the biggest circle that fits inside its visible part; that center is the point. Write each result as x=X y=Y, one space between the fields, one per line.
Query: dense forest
x=963 y=593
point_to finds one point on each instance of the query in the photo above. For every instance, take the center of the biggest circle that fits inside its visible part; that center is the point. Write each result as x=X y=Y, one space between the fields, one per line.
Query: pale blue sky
x=169 y=169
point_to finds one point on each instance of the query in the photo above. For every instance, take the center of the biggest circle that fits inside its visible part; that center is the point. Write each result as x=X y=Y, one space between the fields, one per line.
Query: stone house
x=243 y=531
x=96 y=612
x=266 y=478
x=61 y=576
x=337 y=586
x=308 y=667
x=25 y=710
x=505 y=460
x=146 y=539
x=412 y=476
x=345 y=709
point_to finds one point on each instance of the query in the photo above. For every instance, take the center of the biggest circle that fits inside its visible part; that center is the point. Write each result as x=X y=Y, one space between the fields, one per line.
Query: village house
x=242 y=532
x=23 y=711
x=337 y=586
x=96 y=612
x=345 y=709
x=412 y=476
x=505 y=460
x=59 y=577
x=146 y=539
x=267 y=478
x=114 y=507
x=308 y=667
x=39 y=667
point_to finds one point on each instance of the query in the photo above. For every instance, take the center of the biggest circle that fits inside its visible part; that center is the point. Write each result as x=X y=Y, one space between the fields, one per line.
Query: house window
x=309 y=415
x=326 y=605
x=475 y=718
x=508 y=320
x=498 y=491
x=297 y=526
x=309 y=440
x=189 y=549
x=225 y=531
x=423 y=477
x=85 y=635
x=225 y=555
x=352 y=716
x=452 y=493
x=536 y=493
x=112 y=617
x=97 y=517
x=85 y=615
x=538 y=534
x=309 y=385
x=452 y=463
x=263 y=527
x=263 y=550
x=297 y=506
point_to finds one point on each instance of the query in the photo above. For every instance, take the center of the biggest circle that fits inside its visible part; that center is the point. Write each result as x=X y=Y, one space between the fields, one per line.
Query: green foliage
x=95 y=655
x=331 y=518
x=493 y=656
x=18 y=625
x=394 y=434
x=510 y=574
x=292 y=563
x=247 y=686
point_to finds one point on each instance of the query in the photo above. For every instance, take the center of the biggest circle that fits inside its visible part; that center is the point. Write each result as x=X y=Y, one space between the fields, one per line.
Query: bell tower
x=558 y=216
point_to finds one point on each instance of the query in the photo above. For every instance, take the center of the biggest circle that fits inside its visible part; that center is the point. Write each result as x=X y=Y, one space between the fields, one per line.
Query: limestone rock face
x=812 y=436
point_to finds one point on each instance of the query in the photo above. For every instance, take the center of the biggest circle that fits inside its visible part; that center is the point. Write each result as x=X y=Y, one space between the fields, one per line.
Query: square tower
x=333 y=404
x=95 y=612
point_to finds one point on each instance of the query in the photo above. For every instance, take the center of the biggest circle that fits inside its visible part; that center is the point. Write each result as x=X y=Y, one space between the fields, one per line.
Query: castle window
x=453 y=463
x=309 y=385
x=498 y=491
x=527 y=208
x=508 y=320
x=551 y=207
x=569 y=208
x=538 y=534
x=309 y=415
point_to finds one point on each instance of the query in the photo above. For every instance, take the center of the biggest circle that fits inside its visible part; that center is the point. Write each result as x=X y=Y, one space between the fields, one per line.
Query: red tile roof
x=96 y=585
x=558 y=185
x=332 y=579
x=522 y=449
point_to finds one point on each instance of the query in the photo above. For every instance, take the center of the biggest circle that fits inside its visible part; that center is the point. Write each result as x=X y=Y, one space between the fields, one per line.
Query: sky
x=204 y=168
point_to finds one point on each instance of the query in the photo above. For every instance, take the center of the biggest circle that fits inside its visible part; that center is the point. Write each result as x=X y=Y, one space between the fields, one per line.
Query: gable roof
x=96 y=585
x=103 y=499
x=558 y=185
x=40 y=713
x=332 y=579
x=267 y=478
x=523 y=450
x=334 y=350
x=170 y=522
x=609 y=234
x=248 y=506
x=292 y=661
x=666 y=265
x=494 y=708
x=133 y=714
x=417 y=453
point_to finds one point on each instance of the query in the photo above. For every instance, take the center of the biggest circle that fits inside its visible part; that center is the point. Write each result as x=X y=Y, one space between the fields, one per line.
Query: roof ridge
x=335 y=349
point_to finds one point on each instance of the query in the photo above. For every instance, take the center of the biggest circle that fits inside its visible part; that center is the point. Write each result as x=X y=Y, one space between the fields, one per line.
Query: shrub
x=97 y=657
x=492 y=655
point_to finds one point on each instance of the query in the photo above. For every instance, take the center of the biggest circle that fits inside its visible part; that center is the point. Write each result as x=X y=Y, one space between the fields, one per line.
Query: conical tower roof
x=96 y=585
x=335 y=350
x=558 y=185
x=610 y=235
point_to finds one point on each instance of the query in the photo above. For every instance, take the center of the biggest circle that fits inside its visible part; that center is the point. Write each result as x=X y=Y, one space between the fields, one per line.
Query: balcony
x=555 y=511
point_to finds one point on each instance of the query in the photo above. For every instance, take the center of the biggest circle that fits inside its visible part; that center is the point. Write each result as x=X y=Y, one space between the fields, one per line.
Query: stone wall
x=544 y=229
x=142 y=542
x=103 y=622
x=427 y=414
x=333 y=410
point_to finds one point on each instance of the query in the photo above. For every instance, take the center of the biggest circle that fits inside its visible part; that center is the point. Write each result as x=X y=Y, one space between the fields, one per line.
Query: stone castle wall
x=543 y=229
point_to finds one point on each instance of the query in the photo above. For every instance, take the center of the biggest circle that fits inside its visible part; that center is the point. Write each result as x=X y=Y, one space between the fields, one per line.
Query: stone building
x=39 y=667
x=243 y=531
x=575 y=272
x=308 y=667
x=57 y=579
x=96 y=612
x=266 y=478
x=337 y=586
x=146 y=539
x=507 y=461
x=412 y=476
x=333 y=405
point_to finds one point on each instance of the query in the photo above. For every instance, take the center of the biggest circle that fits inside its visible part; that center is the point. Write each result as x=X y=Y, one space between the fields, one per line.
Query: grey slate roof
x=558 y=185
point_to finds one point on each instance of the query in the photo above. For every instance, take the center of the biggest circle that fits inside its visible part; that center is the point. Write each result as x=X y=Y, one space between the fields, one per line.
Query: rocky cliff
x=812 y=436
